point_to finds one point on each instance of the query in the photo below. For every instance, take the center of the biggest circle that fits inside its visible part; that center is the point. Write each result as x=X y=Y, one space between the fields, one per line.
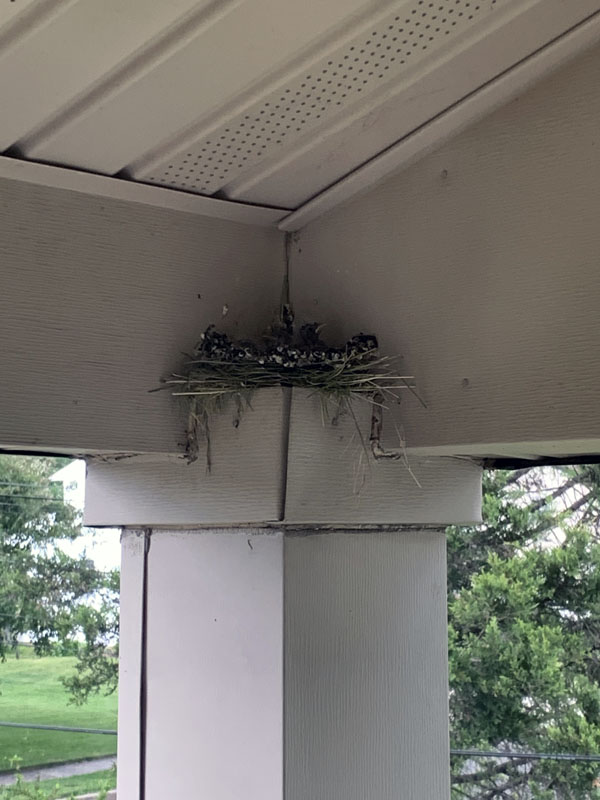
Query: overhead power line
x=525 y=756
x=34 y=726
x=514 y=754
x=30 y=484
x=47 y=497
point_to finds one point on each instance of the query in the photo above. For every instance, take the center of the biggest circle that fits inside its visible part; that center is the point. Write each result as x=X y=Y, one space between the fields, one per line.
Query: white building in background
x=102 y=545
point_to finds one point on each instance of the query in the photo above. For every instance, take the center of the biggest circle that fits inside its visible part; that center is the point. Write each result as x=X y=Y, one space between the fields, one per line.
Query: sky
x=100 y=544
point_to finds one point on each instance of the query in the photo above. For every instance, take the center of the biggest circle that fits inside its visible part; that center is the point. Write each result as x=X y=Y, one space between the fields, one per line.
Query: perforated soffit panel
x=308 y=93
x=315 y=97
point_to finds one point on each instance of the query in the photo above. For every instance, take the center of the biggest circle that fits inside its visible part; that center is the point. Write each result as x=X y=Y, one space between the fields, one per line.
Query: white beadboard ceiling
x=268 y=102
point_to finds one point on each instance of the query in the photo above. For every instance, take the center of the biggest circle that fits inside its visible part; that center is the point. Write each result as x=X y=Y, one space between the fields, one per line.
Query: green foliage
x=67 y=789
x=98 y=657
x=51 y=597
x=77 y=785
x=57 y=790
x=35 y=575
x=24 y=790
x=524 y=638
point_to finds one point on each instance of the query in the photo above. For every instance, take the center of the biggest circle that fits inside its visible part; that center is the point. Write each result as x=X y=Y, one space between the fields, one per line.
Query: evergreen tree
x=524 y=635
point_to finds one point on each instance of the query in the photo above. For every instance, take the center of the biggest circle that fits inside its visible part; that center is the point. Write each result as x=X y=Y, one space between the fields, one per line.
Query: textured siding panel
x=245 y=483
x=366 y=684
x=480 y=266
x=332 y=477
x=98 y=299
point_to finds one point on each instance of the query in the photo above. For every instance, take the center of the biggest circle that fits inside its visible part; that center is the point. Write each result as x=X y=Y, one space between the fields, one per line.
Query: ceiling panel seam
x=31 y=19
x=127 y=72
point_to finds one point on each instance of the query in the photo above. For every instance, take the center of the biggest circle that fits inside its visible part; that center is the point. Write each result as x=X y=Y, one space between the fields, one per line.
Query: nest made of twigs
x=221 y=370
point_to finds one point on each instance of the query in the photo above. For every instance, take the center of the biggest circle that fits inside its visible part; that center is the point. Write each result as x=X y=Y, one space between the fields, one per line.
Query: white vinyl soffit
x=381 y=54
x=263 y=102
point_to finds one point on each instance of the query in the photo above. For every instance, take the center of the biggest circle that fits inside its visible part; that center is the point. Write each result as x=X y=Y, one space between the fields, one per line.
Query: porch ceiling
x=262 y=101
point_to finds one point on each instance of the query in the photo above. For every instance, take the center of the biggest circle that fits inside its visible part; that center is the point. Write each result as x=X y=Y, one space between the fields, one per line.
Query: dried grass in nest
x=221 y=371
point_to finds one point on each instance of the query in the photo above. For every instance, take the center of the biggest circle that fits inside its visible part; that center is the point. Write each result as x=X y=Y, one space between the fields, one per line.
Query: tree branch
x=558 y=492
x=491 y=771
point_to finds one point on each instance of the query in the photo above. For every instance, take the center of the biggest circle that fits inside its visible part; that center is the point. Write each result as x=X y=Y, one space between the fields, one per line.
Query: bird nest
x=220 y=371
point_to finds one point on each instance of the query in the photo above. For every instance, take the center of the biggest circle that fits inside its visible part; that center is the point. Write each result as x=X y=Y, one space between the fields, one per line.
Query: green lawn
x=31 y=691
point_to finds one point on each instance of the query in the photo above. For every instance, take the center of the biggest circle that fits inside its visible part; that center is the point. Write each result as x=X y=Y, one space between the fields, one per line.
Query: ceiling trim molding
x=449 y=122
x=130 y=191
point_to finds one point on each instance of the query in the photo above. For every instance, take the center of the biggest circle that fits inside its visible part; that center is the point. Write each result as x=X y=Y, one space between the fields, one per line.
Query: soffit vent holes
x=341 y=78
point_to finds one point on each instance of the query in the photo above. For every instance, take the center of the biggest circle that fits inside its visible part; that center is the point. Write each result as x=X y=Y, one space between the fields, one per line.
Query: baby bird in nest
x=310 y=335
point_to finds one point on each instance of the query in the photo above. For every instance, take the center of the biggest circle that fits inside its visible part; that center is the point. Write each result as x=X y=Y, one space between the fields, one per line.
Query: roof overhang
x=291 y=107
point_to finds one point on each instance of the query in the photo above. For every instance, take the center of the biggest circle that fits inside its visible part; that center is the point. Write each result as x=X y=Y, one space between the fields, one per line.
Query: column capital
x=288 y=461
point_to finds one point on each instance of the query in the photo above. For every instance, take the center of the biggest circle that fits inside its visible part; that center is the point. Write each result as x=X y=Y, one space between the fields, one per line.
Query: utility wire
x=469 y=753
x=47 y=497
x=31 y=484
x=525 y=756
x=34 y=726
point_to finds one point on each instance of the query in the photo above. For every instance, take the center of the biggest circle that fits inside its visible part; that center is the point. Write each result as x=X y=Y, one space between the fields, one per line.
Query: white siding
x=479 y=265
x=98 y=300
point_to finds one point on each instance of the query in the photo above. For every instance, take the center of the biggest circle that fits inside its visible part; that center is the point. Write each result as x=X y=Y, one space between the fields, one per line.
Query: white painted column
x=334 y=642
x=214 y=671
x=130 y=662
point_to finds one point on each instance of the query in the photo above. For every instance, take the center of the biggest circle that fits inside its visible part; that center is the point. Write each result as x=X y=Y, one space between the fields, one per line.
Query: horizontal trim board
x=527 y=450
x=449 y=122
x=130 y=191
x=295 y=529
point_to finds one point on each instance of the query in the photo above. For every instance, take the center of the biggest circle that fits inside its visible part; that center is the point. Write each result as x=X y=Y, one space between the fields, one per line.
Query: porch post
x=332 y=642
x=302 y=657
